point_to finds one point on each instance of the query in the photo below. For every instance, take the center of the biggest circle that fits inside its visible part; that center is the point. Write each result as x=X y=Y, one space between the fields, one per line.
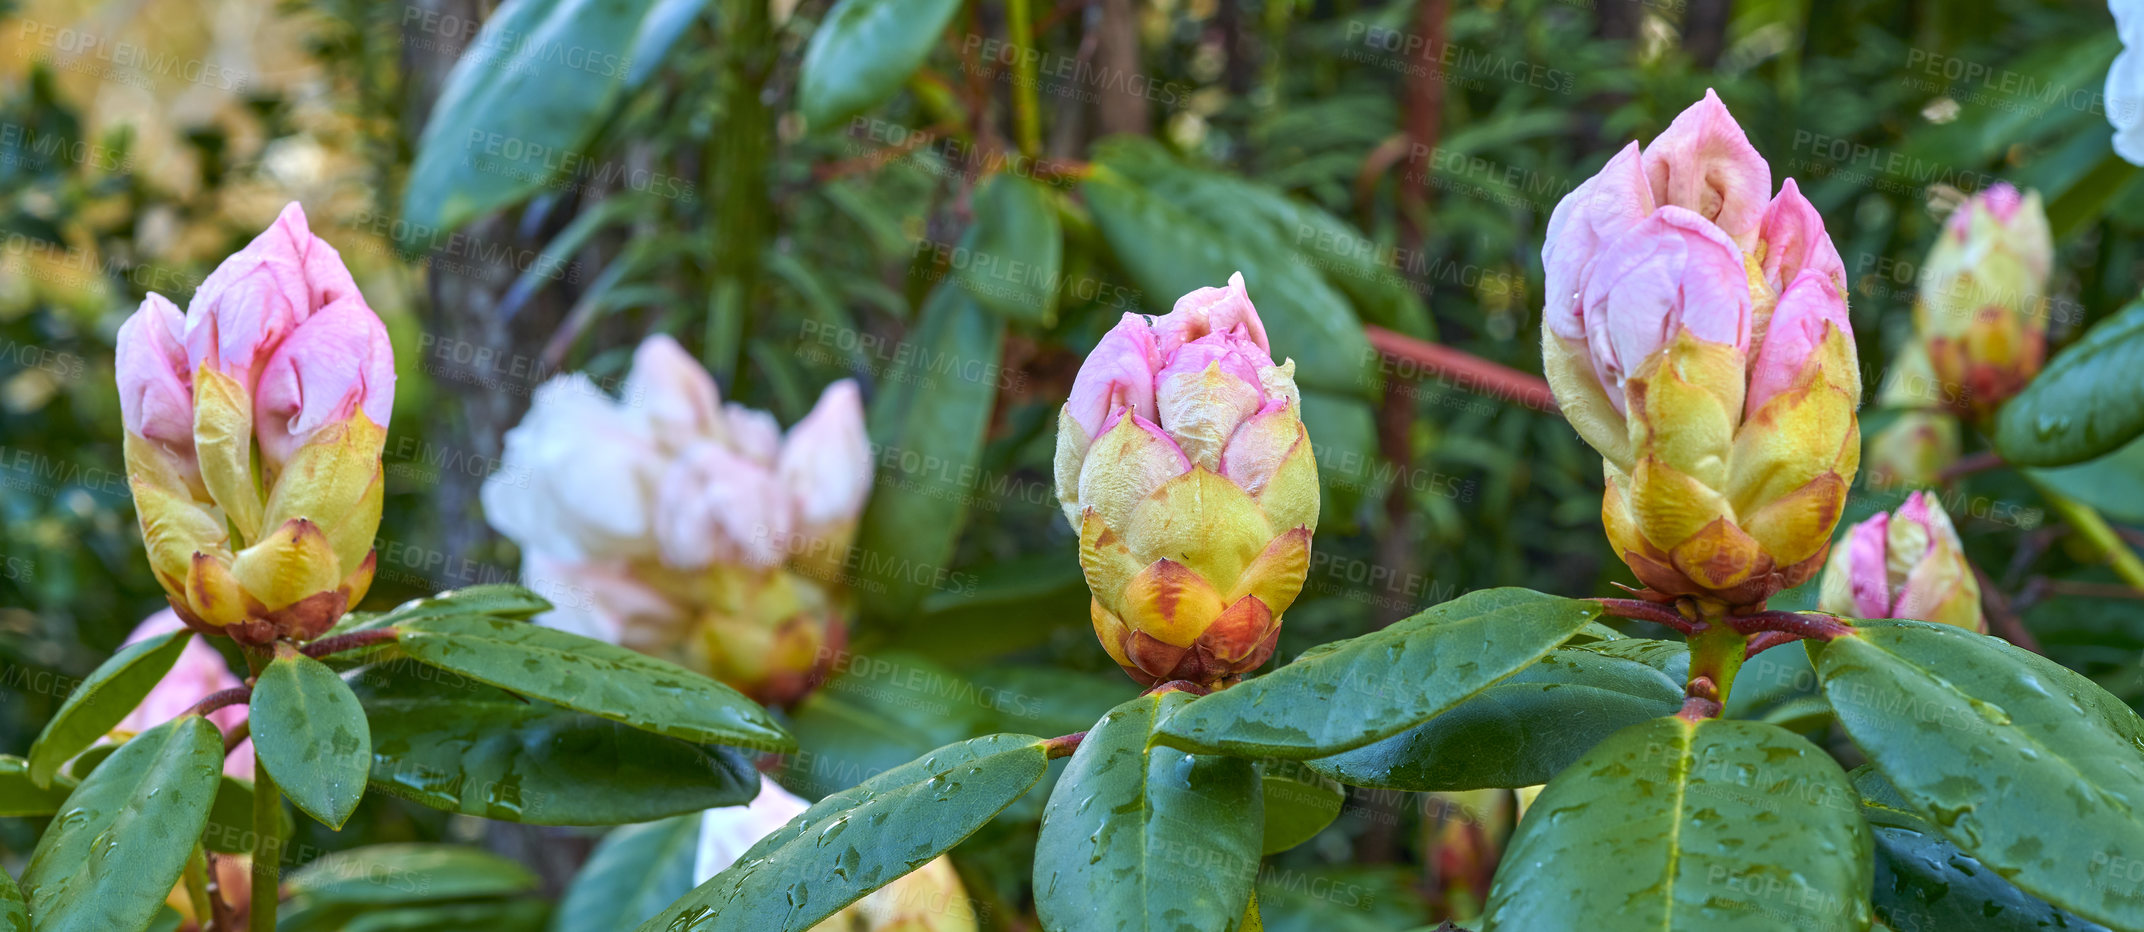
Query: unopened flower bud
x=1922 y=438
x=1905 y=564
x=1183 y=463
x=1697 y=337
x=1981 y=313
x=278 y=353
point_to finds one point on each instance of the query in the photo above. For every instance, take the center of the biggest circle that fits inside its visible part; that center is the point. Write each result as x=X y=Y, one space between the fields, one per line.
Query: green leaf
x=311 y=734
x=2023 y=764
x=1299 y=803
x=1350 y=693
x=408 y=873
x=2083 y=404
x=517 y=112
x=1170 y=252
x=863 y=52
x=14 y=916
x=230 y=819
x=502 y=758
x=1012 y=255
x=861 y=839
x=927 y=424
x=124 y=835
x=2112 y=484
x=591 y=676
x=497 y=601
x=1924 y=882
x=1718 y=826
x=1137 y=839
x=633 y=874
x=101 y=700
x=21 y=796
x=1520 y=732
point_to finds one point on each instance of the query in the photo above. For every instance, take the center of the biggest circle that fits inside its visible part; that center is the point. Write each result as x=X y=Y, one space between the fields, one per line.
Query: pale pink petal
x=1211 y=310
x=578 y=477
x=336 y=362
x=1603 y=207
x=669 y=388
x=826 y=460
x=1673 y=271
x=715 y=506
x=1118 y=374
x=260 y=293
x=1808 y=309
x=1794 y=240
x=198 y=673
x=752 y=434
x=1705 y=163
x=155 y=385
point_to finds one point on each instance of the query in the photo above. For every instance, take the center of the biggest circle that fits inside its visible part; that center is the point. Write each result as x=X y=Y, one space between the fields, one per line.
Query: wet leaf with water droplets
x=1669 y=825
x=1139 y=839
x=2025 y=765
x=861 y=839
x=591 y=676
x=496 y=600
x=102 y=699
x=1519 y=732
x=408 y=873
x=1924 y=881
x=1375 y=686
x=2085 y=403
x=311 y=734
x=122 y=837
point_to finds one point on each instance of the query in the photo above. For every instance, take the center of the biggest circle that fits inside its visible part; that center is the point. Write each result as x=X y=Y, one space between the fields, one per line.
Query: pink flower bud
x=1794 y=241
x=1211 y=310
x=255 y=298
x=335 y=362
x=1906 y=564
x=1675 y=272
x=825 y=462
x=717 y=506
x=1808 y=310
x=1601 y=208
x=155 y=384
x=1704 y=163
x=670 y=389
x=1118 y=375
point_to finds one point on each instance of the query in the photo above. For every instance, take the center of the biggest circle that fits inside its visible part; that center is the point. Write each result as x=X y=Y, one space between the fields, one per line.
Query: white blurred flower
x=2125 y=81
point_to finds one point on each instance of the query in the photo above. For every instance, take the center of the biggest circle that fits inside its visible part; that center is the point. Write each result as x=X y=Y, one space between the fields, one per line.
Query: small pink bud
x=1211 y=310
x=1806 y=312
x=1794 y=240
x=670 y=389
x=1906 y=564
x=255 y=298
x=1704 y=163
x=825 y=462
x=1674 y=272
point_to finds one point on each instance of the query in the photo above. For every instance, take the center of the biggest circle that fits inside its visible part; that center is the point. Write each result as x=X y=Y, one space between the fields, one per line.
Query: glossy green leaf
x=311 y=734
x=21 y=796
x=1139 y=839
x=80 y=767
x=927 y=425
x=230 y=819
x=1519 y=732
x=2084 y=403
x=408 y=873
x=1170 y=252
x=521 y=105
x=1924 y=882
x=123 y=836
x=496 y=600
x=1714 y=826
x=101 y=700
x=2023 y=764
x=590 y=676
x=863 y=52
x=502 y=758
x=1349 y=693
x=1013 y=254
x=2113 y=484
x=1299 y=803
x=14 y=914
x=861 y=839
x=631 y=876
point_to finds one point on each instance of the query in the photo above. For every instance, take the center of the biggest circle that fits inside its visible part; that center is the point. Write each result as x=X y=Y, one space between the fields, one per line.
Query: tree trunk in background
x=1704 y=30
x=1118 y=108
x=469 y=354
x=1618 y=19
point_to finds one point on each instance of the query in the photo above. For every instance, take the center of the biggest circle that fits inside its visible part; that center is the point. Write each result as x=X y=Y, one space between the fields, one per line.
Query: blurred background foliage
x=956 y=234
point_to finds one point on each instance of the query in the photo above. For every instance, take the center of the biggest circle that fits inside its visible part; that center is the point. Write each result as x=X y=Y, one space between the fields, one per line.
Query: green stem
x=2098 y=533
x=267 y=848
x=1716 y=653
x=197 y=888
x=1026 y=105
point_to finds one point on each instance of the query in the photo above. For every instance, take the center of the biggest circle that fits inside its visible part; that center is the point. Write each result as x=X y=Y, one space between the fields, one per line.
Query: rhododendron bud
x=930 y=898
x=277 y=352
x=1921 y=440
x=1906 y=564
x=1981 y=312
x=675 y=524
x=1696 y=336
x=1183 y=463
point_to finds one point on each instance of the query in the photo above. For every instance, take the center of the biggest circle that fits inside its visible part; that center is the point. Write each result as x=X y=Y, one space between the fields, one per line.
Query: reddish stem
x=1655 y=612
x=1797 y=624
x=1179 y=686
x=1698 y=708
x=1466 y=370
x=221 y=699
x=1970 y=464
x=346 y=642
x=1766 y=640
x=1063 y=746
